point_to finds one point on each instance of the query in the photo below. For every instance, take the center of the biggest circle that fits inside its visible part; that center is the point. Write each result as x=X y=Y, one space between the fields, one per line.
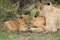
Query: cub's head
x=24 y=17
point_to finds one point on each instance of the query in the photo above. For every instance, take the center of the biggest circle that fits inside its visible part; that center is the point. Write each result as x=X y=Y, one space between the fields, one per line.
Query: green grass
x=13 y=35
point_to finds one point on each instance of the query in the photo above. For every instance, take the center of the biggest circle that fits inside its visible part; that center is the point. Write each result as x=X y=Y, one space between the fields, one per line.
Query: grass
x=13 y=35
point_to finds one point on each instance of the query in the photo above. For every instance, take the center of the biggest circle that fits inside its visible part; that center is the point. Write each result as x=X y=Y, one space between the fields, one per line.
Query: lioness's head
x=42 y=9
x=41 y=5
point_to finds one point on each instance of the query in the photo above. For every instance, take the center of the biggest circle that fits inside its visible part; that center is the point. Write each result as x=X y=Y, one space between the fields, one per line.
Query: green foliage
x=56 y=2
x=30 y=10
x=8 y=11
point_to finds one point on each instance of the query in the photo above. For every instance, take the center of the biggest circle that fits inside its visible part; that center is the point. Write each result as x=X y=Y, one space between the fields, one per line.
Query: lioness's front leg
x=51 y=24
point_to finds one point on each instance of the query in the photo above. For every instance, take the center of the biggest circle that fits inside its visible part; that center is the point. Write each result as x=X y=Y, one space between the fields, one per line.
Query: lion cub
x=38 y=24
x=18 y=24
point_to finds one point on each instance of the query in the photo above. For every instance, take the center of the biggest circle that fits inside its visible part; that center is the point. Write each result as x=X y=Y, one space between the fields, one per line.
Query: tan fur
x=18 y=24
x=38 y=24
x=25 y=17
x=52 y=15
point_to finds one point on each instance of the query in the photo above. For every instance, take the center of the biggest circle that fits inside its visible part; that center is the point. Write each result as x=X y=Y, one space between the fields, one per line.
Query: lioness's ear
x=40 y=6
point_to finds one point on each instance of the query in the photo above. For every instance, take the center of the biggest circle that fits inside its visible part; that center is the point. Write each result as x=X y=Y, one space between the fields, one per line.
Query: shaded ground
x=14 y=35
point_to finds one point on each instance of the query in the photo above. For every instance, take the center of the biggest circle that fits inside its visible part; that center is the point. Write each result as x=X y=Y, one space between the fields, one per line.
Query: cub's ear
x=40 y=6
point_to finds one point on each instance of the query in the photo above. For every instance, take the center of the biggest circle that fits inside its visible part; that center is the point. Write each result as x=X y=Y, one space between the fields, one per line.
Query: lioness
x=18 y=24
x=52 y=15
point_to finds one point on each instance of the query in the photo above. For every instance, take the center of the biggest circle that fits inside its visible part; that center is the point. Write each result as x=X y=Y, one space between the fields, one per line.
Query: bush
x=8 y=10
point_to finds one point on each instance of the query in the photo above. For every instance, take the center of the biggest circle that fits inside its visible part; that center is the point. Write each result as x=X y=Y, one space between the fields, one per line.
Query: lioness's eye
x=48 y=3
